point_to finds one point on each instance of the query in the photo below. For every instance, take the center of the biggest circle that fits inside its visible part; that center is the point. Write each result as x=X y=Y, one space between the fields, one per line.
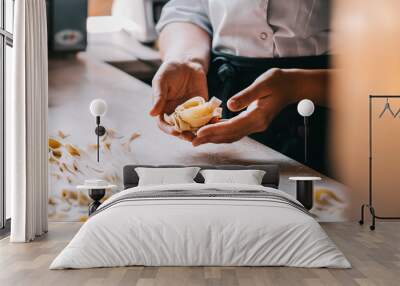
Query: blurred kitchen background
x=73 y=24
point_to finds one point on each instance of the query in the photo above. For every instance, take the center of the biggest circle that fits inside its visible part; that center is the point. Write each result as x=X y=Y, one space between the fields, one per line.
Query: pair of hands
x=176 y=82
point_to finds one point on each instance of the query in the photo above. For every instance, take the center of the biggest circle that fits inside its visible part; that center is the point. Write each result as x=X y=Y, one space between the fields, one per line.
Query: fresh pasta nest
x=194 y=113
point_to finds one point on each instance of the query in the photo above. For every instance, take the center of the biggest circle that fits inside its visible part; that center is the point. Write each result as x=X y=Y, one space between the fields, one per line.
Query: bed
x=197 y=224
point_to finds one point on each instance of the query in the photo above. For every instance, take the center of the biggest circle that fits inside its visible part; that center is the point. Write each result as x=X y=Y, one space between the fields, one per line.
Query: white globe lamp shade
x=98 y=107
x=305 y=107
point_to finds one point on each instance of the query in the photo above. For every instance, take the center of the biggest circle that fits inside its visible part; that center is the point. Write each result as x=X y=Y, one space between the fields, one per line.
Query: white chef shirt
x=257 y=28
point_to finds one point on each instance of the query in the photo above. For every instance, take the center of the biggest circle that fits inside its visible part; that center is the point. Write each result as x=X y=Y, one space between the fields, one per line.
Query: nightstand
x=305 y=190
x=96 y=192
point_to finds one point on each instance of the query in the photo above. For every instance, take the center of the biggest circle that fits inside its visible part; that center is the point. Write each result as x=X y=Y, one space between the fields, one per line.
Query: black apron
x=230 y=74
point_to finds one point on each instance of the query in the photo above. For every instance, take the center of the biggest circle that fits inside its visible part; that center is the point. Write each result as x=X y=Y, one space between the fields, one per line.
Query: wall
x=367 y=45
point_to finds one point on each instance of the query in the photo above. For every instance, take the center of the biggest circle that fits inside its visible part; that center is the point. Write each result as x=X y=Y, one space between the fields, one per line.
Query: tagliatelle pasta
x=194 y=113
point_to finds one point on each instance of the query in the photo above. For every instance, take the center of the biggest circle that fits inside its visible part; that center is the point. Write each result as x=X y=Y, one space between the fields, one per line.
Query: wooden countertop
x=75 y=81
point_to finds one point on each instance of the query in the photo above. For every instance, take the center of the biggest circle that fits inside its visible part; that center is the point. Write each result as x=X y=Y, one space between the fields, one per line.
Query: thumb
x=258 y=89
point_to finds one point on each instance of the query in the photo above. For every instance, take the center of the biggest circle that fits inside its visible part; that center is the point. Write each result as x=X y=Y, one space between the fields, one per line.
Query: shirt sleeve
x=189 y=11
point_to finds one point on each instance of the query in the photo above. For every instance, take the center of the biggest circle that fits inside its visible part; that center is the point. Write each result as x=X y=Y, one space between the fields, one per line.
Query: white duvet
x=200 y=231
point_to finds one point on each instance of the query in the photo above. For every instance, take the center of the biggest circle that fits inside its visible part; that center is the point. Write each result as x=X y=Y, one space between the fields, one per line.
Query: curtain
x=26 y=123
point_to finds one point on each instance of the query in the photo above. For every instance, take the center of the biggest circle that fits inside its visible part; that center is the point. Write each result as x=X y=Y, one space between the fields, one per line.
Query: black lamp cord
x=98 y=138
x=306 y=121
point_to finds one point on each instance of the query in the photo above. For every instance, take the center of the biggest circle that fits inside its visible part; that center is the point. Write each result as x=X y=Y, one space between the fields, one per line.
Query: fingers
x=176 y=82
x=261 y=87
x=228 y=131
x=247 y=96
x=169 y=129
x=216 y=133
x=255 y=119
x=160 y=96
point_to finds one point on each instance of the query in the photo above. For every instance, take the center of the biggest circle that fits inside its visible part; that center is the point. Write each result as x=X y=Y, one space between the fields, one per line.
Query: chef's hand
x=174 y=83
x=263 y=100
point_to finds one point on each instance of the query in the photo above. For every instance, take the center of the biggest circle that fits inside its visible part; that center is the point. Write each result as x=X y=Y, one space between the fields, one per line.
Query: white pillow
x=247 y=177
x=165 y=176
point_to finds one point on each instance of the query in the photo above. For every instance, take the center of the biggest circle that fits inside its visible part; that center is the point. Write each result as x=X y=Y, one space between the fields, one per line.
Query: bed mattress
x=201 y=225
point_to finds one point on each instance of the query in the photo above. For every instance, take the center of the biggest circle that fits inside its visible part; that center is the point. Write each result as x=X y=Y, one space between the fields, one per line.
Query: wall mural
x=70 y=165
x=132 y=137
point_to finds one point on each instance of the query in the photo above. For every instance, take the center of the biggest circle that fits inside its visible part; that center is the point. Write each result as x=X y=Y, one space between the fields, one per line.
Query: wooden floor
x=375 y=257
